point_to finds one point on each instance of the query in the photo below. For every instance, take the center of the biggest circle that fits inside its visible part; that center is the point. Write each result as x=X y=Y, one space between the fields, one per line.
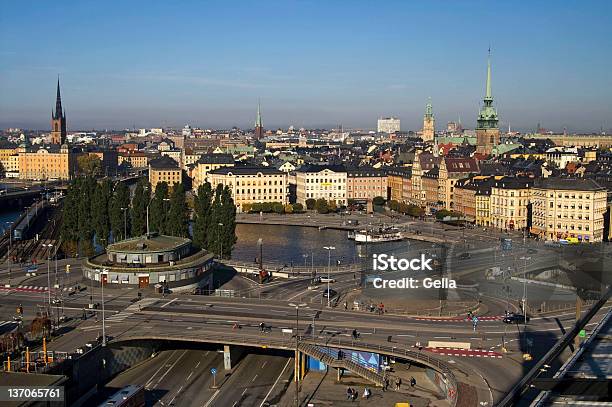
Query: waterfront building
x=365 y=183
x=487 y=128
x=47 y=163
x=388 y=125
x=399 y=184
x=136 y=159
x=250 y=185
x=568 y=208
x=429 y=124
x=151 y=260
x=207 y=163
x=164 y=169
x=322 y=181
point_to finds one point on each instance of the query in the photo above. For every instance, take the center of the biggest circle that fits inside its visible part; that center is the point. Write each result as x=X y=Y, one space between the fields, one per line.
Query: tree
x=394 y=205
x=177 y=223
x=84 y=209
x=119 y=221
x=278 y=207
x=202 y=215
x=246 y=207
x=100 y=211
x=379 y=201
x=89 y=164
x=70 y=220
x=158 y=209
x=332 y=206
x=222 y=228
x=321 y=206
x=256 y=207
x=266 y=207
x=298 y=207
x=310 y=204
x=288 y=208
x=138 y=213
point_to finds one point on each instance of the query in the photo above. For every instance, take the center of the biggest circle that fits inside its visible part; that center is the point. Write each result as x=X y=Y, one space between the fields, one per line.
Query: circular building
x=152 y=260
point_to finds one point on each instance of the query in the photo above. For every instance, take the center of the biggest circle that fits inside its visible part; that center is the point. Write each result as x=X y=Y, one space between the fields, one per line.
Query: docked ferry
x=382 y=234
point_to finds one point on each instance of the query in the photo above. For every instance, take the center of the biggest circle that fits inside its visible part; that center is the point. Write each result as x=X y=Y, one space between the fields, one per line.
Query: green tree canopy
x=140 y=200
x=202 y=215
x=158 y=209
x=310 y=204
x=177 y=223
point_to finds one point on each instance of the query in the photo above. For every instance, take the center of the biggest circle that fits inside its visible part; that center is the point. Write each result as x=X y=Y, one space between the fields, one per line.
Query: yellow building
x=322 y=181
x=164 y=169
x=509 y=203
x=565 y=208
x=7 y=152
x=207 y=163
x=136 y=159
x=252 y=184
x=47 y=163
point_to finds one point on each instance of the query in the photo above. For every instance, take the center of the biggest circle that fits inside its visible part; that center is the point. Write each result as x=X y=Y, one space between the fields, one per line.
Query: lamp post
x=10 y=231
x=329 y=249
x=124 y=222
x=525 y=290
x=221 y=241
x=102 y=272
x=49 y=273
x=297 y=359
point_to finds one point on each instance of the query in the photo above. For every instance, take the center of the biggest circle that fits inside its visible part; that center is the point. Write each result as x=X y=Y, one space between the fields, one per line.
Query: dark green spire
x=487 y=119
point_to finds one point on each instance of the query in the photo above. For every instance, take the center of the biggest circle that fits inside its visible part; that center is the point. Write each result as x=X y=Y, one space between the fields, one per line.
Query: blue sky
x=312 y=63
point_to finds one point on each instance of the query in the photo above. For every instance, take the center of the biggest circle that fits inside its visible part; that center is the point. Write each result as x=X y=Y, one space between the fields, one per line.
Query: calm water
x=286 y=244
x=10 y=216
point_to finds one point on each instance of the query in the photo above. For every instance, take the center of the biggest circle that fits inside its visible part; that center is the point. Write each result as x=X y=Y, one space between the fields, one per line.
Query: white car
x=327 y=280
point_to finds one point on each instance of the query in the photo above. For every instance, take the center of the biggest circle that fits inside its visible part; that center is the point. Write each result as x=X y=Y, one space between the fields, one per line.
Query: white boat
x=383 y=234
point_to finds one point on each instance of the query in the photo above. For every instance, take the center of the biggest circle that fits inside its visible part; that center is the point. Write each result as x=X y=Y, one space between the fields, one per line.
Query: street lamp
x=10 y=231
x=49 y=246
x=329 y=249
x=102 y=273
x=297 y=359
x=221 y=241
x=525 y=289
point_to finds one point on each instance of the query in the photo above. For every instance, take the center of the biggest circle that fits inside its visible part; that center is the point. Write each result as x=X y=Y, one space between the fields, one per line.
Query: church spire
x=258 y=119
x=58 y=102
x=488 y=93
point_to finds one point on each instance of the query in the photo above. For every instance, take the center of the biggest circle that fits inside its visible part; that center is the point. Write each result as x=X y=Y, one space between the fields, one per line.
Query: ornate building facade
x=487 y=128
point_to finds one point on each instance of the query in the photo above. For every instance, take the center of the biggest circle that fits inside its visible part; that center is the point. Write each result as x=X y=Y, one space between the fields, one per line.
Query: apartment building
x=207 y=163
x=322 y=181
x=164 y=169
x=568 y=208
x=509 y=203
x=252 y=184
x=47 y=163
x=365 y=183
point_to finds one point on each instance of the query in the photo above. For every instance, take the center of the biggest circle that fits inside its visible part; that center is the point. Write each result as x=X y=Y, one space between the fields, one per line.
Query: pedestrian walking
x=398 y=383
x=345 y=305
x=386 y=384
x=355 y=395
x=412 y=382
x=349 y=393
x=366 y=393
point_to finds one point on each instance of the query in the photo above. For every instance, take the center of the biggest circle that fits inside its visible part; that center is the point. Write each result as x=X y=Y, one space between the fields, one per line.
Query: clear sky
x=312 y=63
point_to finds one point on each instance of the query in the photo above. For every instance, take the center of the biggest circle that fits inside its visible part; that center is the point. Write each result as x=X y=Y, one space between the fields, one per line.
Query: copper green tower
x=487 y=128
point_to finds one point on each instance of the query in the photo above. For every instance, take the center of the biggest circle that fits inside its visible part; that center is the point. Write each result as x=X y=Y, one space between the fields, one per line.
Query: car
x=515 y=319
x=329 y=293
x=327 y=280
x=464 y=256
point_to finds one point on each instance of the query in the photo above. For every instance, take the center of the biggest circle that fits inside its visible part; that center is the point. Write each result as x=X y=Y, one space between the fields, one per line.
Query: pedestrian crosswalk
x=34 y=288
x=473 y=353
x=131 y=310
x=459 y=319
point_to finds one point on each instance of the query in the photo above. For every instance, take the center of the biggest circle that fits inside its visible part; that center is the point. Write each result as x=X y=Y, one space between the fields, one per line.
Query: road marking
x=168 y=371
x=244 y=391
x=212 y=398
x=254 y=377
x=189 y=377
x=264 y=364
x=177 y=393
x=148 y=383
x=168 y=303
x=275 y=383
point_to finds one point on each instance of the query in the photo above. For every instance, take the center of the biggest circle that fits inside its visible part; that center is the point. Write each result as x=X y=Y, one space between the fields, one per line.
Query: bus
x=129 y=396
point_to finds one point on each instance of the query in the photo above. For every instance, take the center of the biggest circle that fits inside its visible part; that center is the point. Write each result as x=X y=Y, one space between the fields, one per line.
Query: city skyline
x=147 y=78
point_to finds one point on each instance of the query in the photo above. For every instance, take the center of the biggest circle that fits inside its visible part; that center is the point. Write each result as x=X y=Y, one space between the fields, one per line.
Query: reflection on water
x=293 y=244
x=8 y=217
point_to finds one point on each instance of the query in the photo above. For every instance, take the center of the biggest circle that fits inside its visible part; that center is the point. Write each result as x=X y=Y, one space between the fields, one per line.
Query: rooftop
x=153 y=243
x=164 y=162
x=247 y=170
x=572 y=184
